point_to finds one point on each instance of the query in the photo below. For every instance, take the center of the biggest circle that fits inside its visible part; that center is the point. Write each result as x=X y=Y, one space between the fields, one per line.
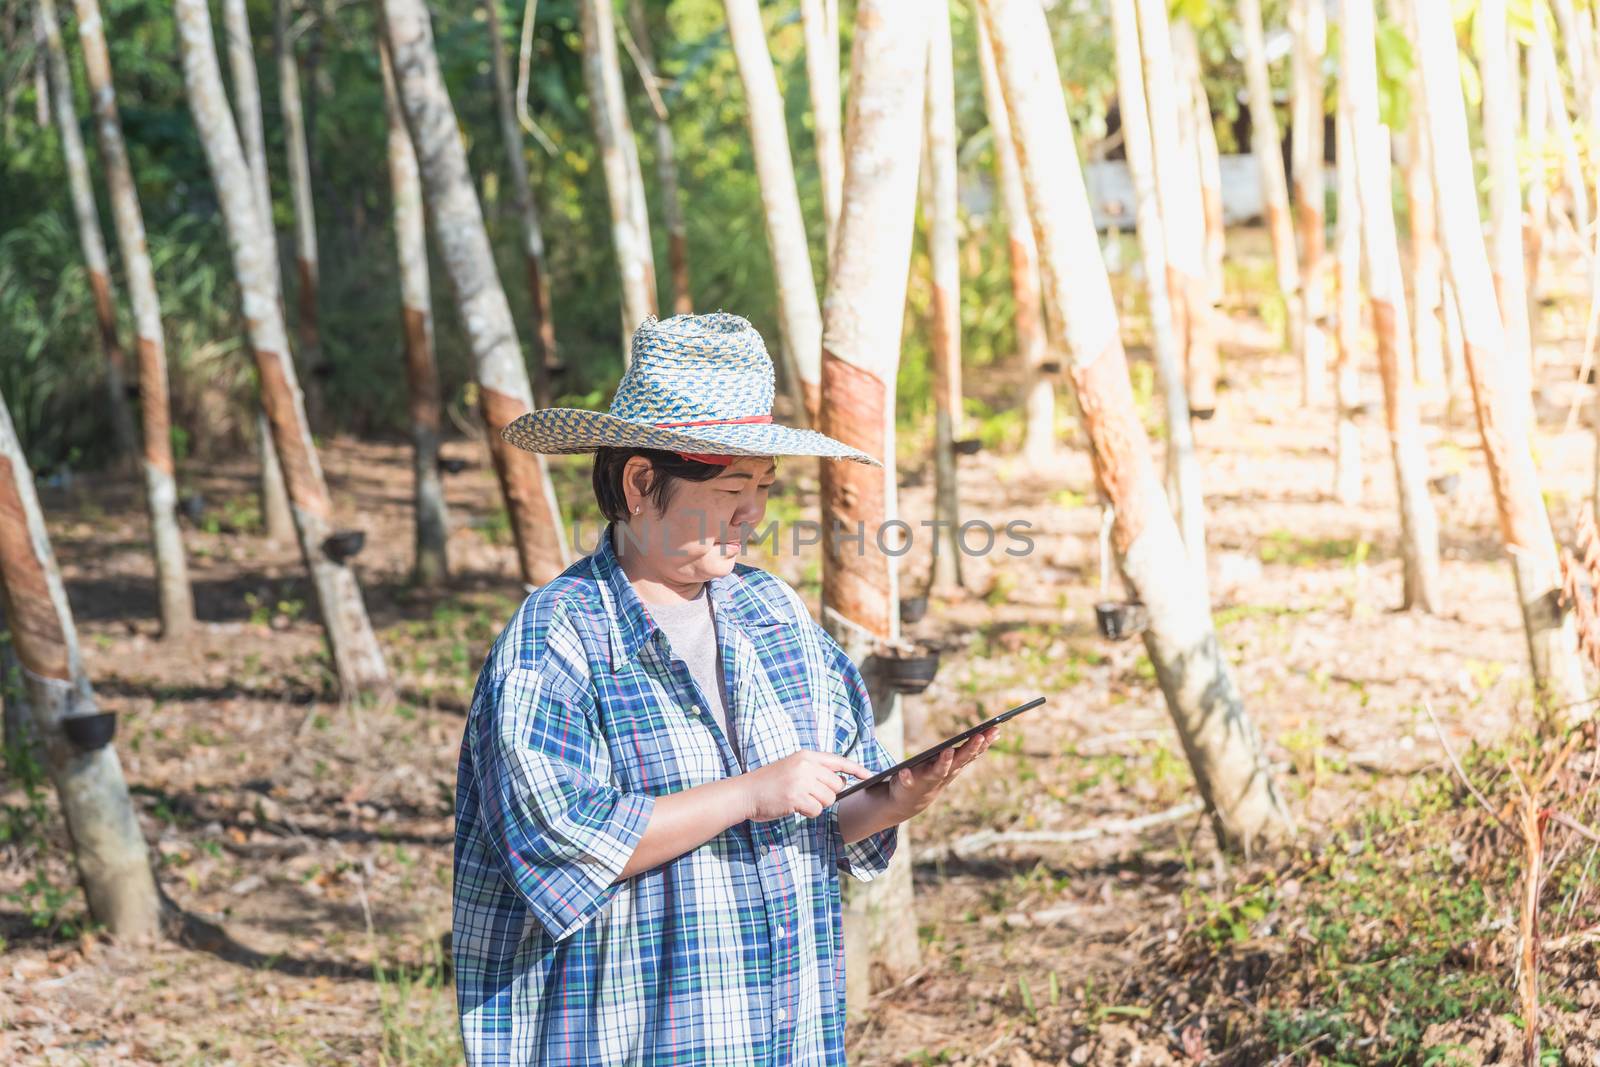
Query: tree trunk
x=358 y=661
x=666 y=164
x=1427 y=263
x=1419 y=526
x=799 y=318
x=1039 y=438
x=432 y=564
x=820 y=19
x=1308 y=25
x=458 y=232
x=1561 y=124
x=1181 y=208
x=107 y=843
x=305 y=219
x=944 y=258
x=614 y=135
x=1186 y=49
x=52 y=59
x=1496 y=394
x=161 y=487
x=1347 y=469
x=1536 y=130
x=533 y=257
x=1183 y=470
x=860 y=356
x=1220 y=740
x=1266 y=146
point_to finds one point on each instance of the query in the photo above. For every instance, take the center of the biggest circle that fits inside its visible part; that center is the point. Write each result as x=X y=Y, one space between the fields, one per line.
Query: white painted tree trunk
x=666 y=166
x=307 y=272
x=1427 y=262
x=358 y=661
x=608 y=113
x=1224 y=750
x=1536 y=130
x=1187 y=51
x=1039 y=447
x=160 y=472
x=1308 y=24
x=1419 y=525
x=103 y=829
x=1265 y=143
x=863 y=312
x=799 y=316
x=820 y=19
x=1496 y=393
x=53 y=60
x=456 y=221
x=432 y=565
x=1561 y=124
x=1183 y=469
x=1347 y=466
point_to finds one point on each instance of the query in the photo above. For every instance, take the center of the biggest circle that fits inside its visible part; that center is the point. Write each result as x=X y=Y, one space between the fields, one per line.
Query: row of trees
x=841 y=355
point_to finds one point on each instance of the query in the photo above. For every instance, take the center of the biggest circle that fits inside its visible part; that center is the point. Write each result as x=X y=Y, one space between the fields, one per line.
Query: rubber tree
x=666 y=162
x=1308 y=25
x=1496 y=395
x=1265 y=143
x=107 y=844
x=275 y=516
x=1536 y=130
x=820 y=21
x=1419 y=525
x=533 y=255
x=432 y=565
x=1348 y=477
x=456 y=221
x=1427 y=262
x=307 y=272
x=1186 y=50
x=1505 y=189
x=160 y=471
x=799 y=316
x=613 y=133
x=47 y=35
x=1182 y=468
x=941 y=215
x=1181 y=207
x=1224 y=751
x=862 y=316
x=1561 y=123
x=1033 y=347
x=358 y=661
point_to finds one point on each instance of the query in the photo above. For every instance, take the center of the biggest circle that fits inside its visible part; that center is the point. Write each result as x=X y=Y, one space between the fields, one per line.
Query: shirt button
x=781 y=1015
x=780 y=931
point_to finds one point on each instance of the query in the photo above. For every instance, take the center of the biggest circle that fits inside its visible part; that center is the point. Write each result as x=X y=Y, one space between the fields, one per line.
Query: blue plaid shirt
x=731 y=954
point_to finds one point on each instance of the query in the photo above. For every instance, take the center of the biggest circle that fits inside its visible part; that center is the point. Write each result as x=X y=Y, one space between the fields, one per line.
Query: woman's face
x=702 y=529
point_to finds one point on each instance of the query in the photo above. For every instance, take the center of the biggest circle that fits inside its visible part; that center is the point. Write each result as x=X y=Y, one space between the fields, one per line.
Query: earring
x=636 y=509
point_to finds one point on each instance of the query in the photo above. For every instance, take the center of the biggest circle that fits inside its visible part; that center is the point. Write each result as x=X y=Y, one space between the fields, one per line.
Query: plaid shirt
x=733 y=953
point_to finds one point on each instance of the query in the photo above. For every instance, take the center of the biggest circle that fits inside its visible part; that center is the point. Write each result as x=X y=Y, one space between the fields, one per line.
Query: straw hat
x=698 y=385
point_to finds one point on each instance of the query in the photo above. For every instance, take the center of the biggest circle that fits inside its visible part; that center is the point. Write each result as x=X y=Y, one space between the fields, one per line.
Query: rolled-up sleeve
x=856 y=739
x=562 y=834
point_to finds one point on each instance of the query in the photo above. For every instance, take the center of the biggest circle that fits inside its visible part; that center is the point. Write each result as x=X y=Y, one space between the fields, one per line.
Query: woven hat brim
x=562 y=431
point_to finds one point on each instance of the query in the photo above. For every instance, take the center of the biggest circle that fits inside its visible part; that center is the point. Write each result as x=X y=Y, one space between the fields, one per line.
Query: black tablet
x=923 y=757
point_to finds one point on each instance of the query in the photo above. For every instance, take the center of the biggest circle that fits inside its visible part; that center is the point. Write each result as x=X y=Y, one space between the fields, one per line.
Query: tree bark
x=1183 y=470
x=666 y=164
x=1033 y=347
x=1496 y=394
x=1220 y=740
x=1427 y=262
x=944 y=258
x=799 y=317
x=1186 y=49
x=107 y=843
x=820 y=20
x=1265 y=145
x=52 y=59
x=533 y=257
x=865 y=306
x=1308 y=25
x=432 y=565
x=1347 y=467
x=358 y=661
x=458 y=232
x=1419 y=526
x=1536 y=129
x=1561 y=123
x=307 y=273
x=1177 y=189
x=614 y=135
x=161 y=487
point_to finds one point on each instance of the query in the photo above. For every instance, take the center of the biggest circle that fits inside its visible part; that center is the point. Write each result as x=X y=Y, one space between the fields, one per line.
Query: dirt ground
x=306 y=844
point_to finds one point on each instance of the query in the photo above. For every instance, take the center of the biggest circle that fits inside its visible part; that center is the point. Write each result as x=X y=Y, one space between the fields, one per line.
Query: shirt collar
x=631 y=623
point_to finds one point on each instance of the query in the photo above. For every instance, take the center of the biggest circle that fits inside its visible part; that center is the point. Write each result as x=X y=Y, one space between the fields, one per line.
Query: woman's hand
x=804 y=783
x=914 y=788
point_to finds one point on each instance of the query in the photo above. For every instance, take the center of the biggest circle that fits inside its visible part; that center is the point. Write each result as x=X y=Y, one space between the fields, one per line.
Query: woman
x=647 y=841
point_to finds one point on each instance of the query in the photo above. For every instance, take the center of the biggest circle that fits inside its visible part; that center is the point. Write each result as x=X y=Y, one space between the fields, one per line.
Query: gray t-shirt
x=691 y=633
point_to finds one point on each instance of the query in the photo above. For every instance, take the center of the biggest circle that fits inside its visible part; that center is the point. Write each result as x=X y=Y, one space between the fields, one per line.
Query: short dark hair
x=669 y=468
